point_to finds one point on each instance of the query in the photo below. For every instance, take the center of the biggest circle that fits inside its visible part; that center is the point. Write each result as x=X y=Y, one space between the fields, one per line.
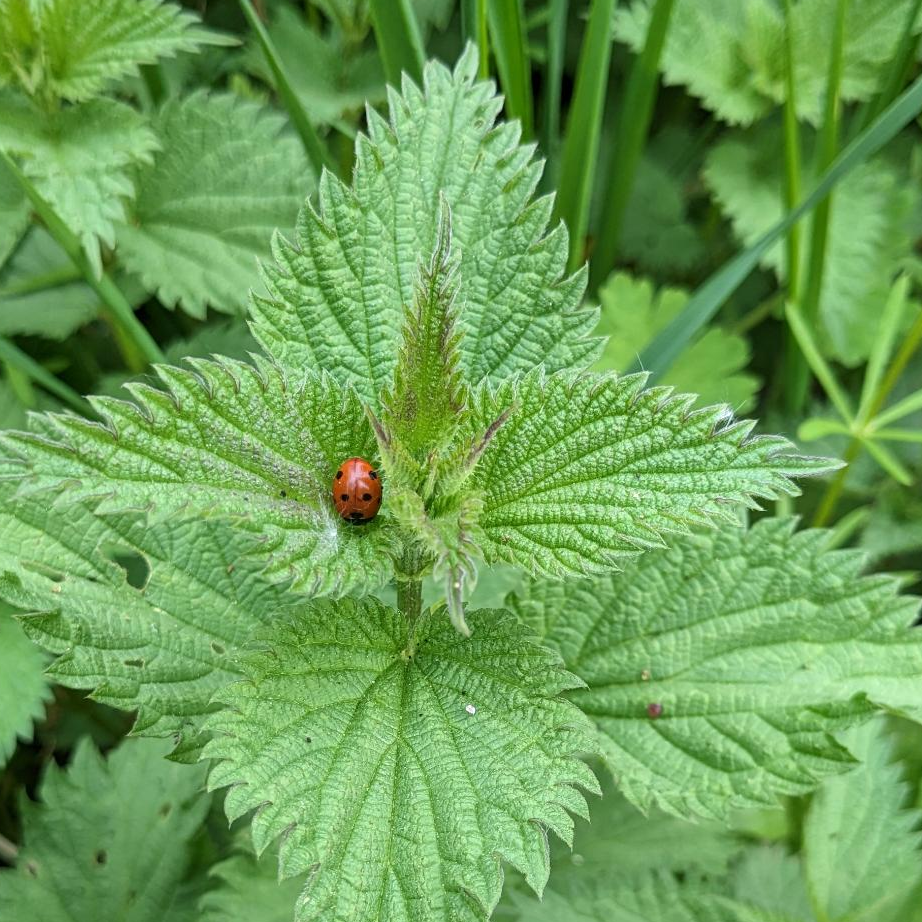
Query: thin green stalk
x=507 y=31
x=399 y=41
x=41 y=282
x=13 y=356
x=474 y=30
x=833 y=493
x=633 y=127
x=713 y=293
x=114 y=304
x=21 y=385
x=793 y=189
x=313 y=146
x=899 y=68
x=584 y=127
x=827 y=145
x=410 y=602
x=553 y=80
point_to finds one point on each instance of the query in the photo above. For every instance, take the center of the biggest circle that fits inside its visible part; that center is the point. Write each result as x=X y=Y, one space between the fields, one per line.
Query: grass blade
x=474 y=30
x=882 y=348
x=115 y=304
x=13 y=356
x=584 y=126
x=507 y=30
x=399 y=41
x=313 y=146
x=634 y=125
x=817 y=363
x=553 y=82
x=900 y=65
x=712 y=294
x=827 y=145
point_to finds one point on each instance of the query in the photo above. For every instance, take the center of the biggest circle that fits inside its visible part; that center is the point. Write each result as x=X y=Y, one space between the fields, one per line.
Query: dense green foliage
x=591 y=591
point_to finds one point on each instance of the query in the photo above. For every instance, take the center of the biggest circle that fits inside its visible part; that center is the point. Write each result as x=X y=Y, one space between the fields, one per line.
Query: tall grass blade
x=713 y=294
x=399 y=40
x=827 y=145
x=882 y=348
x=584 y=126
x=474 y=30
x=633 y=127
x=553 y=82
x=313 y=146
x=507 y=31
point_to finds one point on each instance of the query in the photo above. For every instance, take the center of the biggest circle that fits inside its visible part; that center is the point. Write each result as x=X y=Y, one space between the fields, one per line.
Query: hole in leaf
x=101 y=857
x=137 y=663
x=218 y=649
x=165 y=810
x=283 y=494
x=135 y=565
x=307 y=739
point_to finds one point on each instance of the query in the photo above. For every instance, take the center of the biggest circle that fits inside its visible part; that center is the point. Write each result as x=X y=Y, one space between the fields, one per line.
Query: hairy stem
x=410 y=602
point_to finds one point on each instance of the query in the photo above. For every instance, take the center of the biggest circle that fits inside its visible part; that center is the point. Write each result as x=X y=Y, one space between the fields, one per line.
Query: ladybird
x=357 y=491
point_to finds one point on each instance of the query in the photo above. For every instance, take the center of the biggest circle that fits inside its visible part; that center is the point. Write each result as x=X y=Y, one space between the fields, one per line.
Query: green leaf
x=249 y=889
x=414 y=773
x=232 y=440
x=107 y=839
x=162 y=648
x=713 y=366
x=731 y=54
x=869 y=232
x=41 y=294
x=337 y=294
x=752 y=647
x=591 y=469
x=23 y=686
x=209 y=201
x=14 y=214
x=772 y=879
x=657 y=233
x=861 y=845
x=63 y=48
x=331 y=77
x=79 y=158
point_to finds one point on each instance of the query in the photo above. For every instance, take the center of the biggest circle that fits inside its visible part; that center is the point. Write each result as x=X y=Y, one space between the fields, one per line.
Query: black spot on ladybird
x=344 y=497
x=372 y=474
x=366 y=496
x=339 y=475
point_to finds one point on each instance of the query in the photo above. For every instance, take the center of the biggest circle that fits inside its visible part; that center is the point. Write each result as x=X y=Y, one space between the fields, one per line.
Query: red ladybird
x=357 y=491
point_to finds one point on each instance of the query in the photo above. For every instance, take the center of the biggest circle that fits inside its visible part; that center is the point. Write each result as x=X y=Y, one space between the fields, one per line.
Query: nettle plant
x=421 y=319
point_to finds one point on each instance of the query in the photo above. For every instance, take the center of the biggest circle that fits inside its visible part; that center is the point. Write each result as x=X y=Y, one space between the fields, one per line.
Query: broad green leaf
x=249 y=890
x=331 y=77
x=657 y=232
x=861 y=845
x=40 y=294
x=209 y=201
x=718 y=670
x=870 y=230
x=772 y=879
x=23 y=686
x=74 y=50
x=591 y=469
x=225 y=439
x=654 y=898
x=162 y=648
x=106 y=839
x=79 y=158
x=730 y=54
x=413 y=771
x=14 y=213
x=338 y=292
x=713 y=366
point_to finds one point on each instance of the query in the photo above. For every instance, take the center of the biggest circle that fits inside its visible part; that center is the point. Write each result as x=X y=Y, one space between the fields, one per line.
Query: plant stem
x=14 y=357
x=410 y=602
x=833 y=494
x=9 y=851
x=114 y=304
x=42 y=282
x=553 y=81
x=313 y=146
x=828 y=142
x=633 y=127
